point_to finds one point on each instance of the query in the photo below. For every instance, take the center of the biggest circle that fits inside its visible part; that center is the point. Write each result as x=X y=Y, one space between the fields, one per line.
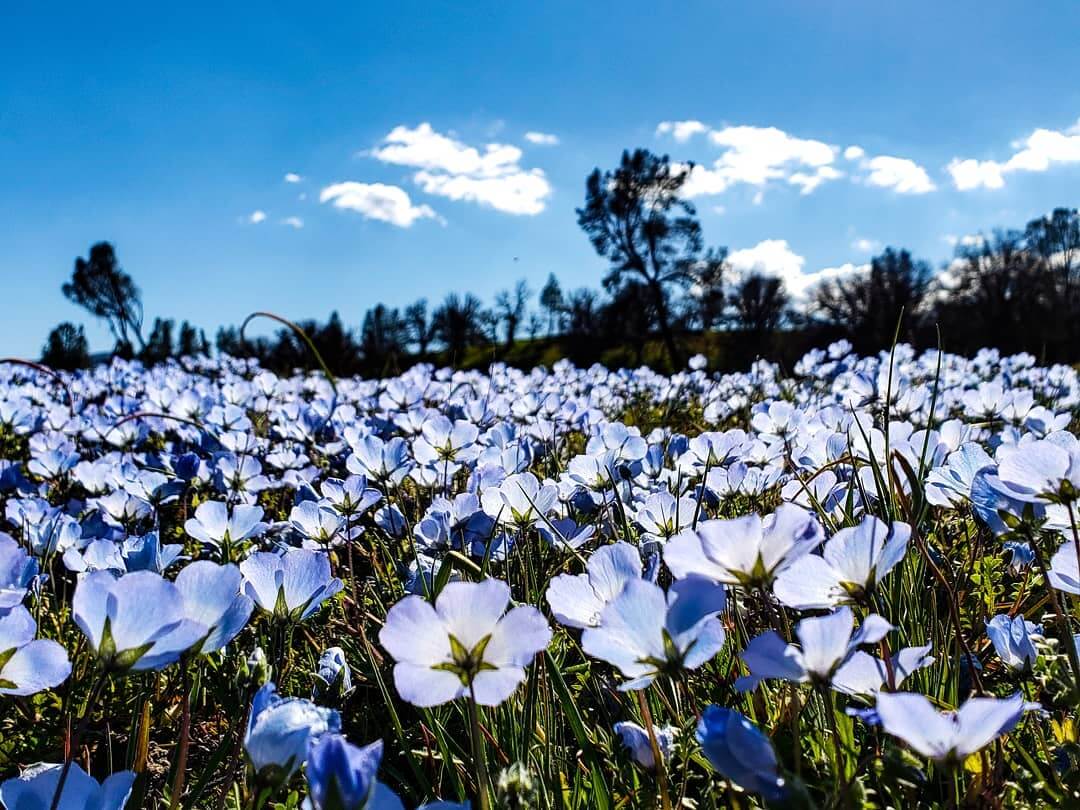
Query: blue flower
x=740 y=752
x=1022 y=555
x=853 y=562
x=28 y=665
x=948 y=736
x=464 y=645
x=827 y=642
x=636 y=740
x=35 y=787
x=290 y=586
x=211 y=598
x=215 y=525
x=578 y=600
x=134 y=622
x=644 y=632
x=18 y=571
x=342 y=776
x=1012 y=640
x=280 y=729
x=333 y=680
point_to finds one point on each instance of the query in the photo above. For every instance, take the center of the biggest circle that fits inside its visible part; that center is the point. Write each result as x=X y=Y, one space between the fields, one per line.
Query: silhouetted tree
x=66 y=348
x=707 y=295
x=458 y=323
x=551 y=299
x=421 y=328
x=383 y=335
x=759 y=304
x=510 y=308
x=191 y=341
x=102 y=288
x=997 y=292
x=159 y=347
x=635 y=218
x=866 y=306
x=625 y=319
x=581 y=313
x=1056 y=240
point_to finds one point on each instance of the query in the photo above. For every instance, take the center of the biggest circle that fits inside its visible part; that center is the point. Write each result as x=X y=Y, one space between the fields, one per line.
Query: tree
x=160 y=345
x=458 y=323
x=1056 y=239
x=383 y=335
x=191 y=342
x=421 y=328
x=102 y=288
x=66 y=348
x=551 y=299
x=707 y=288
x=511 y=307
x=760 y=303
x=866 y=306
x=635 y=219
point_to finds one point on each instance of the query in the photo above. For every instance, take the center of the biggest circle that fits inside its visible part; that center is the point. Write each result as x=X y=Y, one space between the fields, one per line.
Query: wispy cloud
x=377 y=201
x=902 y=175
x=542 y=138
x=293 y=222
x=255 y=217
x=449 y=168
x=292 y=177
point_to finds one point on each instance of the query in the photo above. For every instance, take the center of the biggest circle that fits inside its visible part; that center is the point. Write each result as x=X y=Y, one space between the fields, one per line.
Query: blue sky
x=823 y=131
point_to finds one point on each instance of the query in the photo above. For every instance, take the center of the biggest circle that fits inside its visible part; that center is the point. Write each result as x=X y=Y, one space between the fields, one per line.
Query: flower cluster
x=619 y=588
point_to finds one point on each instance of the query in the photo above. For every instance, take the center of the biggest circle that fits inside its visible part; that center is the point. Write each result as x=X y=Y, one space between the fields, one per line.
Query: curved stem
x=76 y=739
x=182 y=746
x=479 y=756
x=658 y=757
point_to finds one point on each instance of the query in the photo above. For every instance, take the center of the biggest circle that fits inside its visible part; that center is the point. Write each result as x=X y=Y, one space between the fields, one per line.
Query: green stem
x=483 y=781
x=76 y=739
x=658 y=758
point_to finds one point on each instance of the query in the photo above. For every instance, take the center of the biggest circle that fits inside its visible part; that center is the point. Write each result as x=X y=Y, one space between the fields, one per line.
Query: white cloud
x=755 y=156
x=292 y=177
x=970 y=174
x=774 y=257
x=449 y=168
x=968 y=240
x=681 y=131
x=1038 y=152
x=542 y=138
x=902 y=175
x=854 y=153
x=293 y=222
x=377 y=201
x=256 y=217
x=866 y=245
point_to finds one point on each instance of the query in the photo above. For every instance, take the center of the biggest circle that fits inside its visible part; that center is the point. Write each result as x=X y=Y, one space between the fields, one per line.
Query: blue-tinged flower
x=1022 y=555
x=98 y=555
x=279 y=731
x=146 y=553
x=948 y=736
x=28 y=665
x=578 y=600
x=215 y=525
x=333 y=679
x=746 y=551
x=464 y=645
x=644 y=632
x=863 y=674
x=18 y=570
x=212 y=599
x=636 y=740
x=134 y=622
x=740 y=752
x=1064 y=573
x=853 y=562
x=292 y=585
x=662 y=516
x=990 y=501
x=350 y=497
x=1041 y=471
x=1012 y=639
x=950 y=484
x=826 y=643
x=317 y=523
x=520 y=500
x=387 y=462
x=342 y=776
x=34 y=788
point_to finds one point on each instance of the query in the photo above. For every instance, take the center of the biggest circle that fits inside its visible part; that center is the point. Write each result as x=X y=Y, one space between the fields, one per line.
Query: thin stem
x=76 y=739
x=182 y=746
x=479 y=756
x=658 y=758
x=1070 y=642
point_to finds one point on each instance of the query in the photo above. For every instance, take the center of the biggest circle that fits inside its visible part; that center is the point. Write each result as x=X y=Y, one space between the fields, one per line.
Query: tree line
x=666 y=294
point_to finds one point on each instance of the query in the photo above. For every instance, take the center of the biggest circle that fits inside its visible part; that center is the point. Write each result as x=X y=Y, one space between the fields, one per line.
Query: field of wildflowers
x=854 y=585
